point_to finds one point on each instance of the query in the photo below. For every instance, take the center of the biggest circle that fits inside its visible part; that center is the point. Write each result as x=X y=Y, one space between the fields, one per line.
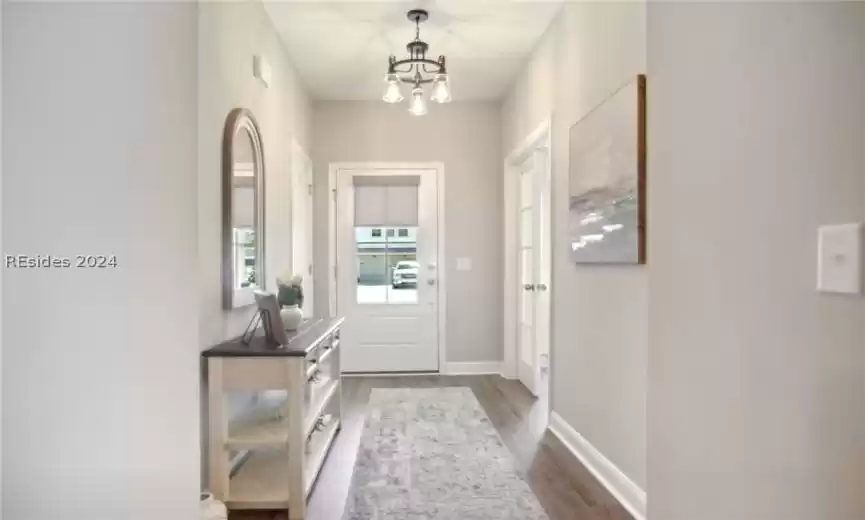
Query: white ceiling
x=340 y=49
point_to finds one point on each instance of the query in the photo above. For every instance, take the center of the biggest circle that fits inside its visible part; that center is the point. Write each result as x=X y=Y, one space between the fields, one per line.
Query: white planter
x=291 y=316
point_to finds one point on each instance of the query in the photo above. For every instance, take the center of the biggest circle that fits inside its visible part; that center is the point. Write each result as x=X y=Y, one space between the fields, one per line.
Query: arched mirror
x=242 y=210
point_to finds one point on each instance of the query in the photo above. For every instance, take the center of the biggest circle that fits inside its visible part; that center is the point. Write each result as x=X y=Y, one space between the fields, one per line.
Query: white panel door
x=302 y=225
x=533 y=273
x=387 y=284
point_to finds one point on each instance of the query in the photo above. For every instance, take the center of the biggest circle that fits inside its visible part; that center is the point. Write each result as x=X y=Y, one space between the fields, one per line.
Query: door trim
x=334 y=170
x=298 y=154
x=539 y=138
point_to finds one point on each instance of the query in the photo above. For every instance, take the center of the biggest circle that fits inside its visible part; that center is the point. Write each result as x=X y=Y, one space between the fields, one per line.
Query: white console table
x=285 y=446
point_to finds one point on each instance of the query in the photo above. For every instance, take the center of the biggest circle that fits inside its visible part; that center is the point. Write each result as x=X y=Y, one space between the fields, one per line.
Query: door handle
x=431 y=281
x=542 y=287
x=529 y=287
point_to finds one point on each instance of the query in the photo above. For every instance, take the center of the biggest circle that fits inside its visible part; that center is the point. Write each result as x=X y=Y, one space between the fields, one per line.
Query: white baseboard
x=388 y=374
x=473 y=367
x=617 y=483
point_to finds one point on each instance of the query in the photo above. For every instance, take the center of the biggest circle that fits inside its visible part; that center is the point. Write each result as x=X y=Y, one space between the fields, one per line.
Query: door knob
x=529 y=287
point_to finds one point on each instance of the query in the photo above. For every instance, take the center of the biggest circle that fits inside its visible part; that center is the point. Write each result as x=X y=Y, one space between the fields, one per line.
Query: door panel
x=387 y=283
x=527 y=307
x=533 y=272
x=302 y=225
x=526 y=338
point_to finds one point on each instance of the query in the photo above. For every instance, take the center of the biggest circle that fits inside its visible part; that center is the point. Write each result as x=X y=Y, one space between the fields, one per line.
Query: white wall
x=1 y=272
x=756 y=137
x=599 y=337
x=466 y=138
x=101 y=410
x=230 y=34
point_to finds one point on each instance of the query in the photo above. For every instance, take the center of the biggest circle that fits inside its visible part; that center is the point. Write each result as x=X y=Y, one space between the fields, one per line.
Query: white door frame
x=299 y=156
x=539 y=139
x=334 y=170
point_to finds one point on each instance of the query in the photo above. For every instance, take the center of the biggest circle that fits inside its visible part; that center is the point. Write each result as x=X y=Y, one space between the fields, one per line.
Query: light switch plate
x=464 y=264
x=839 y=258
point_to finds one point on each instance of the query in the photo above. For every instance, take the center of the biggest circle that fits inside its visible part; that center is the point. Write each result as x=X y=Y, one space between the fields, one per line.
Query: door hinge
x=309 y=189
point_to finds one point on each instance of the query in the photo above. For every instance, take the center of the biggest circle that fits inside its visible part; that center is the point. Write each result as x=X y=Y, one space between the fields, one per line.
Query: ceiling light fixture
x=418 y=70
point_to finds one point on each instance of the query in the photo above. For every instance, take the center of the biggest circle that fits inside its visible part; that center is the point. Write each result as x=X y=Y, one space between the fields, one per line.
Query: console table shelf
x=262 y=481
x=268 y=432
x=287 y=444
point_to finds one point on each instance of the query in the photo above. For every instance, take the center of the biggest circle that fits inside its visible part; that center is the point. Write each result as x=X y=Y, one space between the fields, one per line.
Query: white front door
x=533 y=273
x=302 y=225
x=387 y=272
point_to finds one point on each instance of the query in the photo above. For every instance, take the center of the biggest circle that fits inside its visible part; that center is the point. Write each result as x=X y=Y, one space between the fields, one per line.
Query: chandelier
x=417 y=70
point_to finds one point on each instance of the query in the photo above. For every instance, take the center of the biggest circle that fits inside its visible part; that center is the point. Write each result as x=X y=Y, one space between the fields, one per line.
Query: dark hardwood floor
x=564 y=487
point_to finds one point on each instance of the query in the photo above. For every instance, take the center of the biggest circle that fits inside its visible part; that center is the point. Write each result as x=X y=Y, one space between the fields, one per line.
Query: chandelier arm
x=415 y=61
x=398 y=71
x=439 y=69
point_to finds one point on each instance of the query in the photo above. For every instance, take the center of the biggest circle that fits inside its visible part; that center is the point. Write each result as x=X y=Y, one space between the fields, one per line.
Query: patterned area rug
x=432 y=454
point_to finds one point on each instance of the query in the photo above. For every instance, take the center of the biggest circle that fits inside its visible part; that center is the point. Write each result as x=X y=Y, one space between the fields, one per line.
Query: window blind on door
x=244 y=207
x=386 y=201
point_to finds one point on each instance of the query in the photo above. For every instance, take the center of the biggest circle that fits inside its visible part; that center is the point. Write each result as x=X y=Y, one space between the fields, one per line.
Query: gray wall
x=230 y=34
x=100 y=408
x=466 y=138
x=757 y=137
x=599 y=313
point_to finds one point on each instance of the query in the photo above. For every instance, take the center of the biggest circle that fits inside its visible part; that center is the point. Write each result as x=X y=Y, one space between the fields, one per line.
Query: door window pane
x=526 y=227
x=403 y=267
x=526 y=190
x=387 y=267
x=244 y=257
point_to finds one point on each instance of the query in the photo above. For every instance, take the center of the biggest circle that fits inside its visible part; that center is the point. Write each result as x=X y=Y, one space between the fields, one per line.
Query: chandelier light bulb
x=392 y=93
x=418 y=103
x=441 y=89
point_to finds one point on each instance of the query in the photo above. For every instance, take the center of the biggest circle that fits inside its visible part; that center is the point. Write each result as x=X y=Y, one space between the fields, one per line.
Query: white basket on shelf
x=211 y=509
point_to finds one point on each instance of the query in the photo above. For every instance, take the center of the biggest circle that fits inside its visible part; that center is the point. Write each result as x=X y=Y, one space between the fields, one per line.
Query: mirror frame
x=241 y=119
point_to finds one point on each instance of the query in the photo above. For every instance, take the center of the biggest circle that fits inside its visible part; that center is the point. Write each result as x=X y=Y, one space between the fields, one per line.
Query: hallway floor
x=563 y=486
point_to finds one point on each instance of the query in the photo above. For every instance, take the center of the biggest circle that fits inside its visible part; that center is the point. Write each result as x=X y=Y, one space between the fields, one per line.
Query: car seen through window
x=405 y=274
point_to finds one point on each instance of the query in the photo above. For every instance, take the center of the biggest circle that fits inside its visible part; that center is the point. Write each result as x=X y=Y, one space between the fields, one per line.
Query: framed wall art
x=607 y=174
